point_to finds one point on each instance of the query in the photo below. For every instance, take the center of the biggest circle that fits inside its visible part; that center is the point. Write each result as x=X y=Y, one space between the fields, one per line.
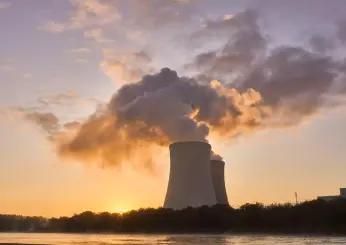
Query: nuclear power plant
x=194 y=179
x=218 y=175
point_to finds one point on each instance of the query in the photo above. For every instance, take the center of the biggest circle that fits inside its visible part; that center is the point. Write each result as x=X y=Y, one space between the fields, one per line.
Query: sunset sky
x=68 y=57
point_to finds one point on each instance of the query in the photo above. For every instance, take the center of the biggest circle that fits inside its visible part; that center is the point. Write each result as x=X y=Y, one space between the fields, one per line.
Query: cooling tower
x=190 y=181
x=218 y=175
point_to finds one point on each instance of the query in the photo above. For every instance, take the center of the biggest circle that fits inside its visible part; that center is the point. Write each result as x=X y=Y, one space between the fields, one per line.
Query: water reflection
x=117 y=239
x=196 y=239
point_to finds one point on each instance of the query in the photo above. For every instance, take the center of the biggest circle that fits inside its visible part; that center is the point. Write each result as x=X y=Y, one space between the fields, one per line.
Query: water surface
x=70 y=239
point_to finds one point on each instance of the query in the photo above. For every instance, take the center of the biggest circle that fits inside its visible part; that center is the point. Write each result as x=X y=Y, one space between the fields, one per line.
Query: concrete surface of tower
x=190 y=180
x=218 y=175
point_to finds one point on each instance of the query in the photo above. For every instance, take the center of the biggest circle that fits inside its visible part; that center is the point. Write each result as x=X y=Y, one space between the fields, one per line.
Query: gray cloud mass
x=243 y=86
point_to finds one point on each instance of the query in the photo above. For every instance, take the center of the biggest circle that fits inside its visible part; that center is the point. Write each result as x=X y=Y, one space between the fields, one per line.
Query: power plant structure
x=194 y=179
x=218 y=175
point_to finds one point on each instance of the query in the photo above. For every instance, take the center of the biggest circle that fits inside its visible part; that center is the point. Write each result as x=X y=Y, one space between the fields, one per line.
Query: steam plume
x=158 y=110
x=251 y=88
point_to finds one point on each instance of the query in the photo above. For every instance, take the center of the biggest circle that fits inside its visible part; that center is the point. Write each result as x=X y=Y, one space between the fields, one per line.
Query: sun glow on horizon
x=121 y=210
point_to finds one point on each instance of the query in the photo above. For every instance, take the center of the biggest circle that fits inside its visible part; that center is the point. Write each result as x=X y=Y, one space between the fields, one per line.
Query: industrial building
x=330 y=198
x=218 y=176
x=194 y=179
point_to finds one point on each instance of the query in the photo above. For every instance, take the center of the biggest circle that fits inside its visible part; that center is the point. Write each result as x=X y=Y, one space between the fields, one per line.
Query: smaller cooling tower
x=218 y=175
x=190 y=181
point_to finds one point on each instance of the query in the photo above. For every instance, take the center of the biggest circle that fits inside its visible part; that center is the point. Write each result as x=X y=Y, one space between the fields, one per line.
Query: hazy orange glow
x=122 y=210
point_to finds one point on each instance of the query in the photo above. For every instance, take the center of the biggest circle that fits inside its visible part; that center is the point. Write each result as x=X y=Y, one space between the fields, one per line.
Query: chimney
x=190 y=180
x=218 y=175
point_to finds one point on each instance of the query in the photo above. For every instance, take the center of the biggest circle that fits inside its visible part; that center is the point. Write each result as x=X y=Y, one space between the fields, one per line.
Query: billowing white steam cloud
x=160 y=109
x=242 y=87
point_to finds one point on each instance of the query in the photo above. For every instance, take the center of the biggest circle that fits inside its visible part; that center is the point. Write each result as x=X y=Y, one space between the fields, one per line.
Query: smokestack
x=218 y=176
x=190 y=181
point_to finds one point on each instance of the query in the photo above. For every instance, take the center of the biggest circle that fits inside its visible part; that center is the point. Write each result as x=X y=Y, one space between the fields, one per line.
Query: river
x=80 y=239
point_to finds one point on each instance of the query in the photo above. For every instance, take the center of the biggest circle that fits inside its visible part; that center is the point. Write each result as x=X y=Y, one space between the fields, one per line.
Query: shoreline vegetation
x=316 y=217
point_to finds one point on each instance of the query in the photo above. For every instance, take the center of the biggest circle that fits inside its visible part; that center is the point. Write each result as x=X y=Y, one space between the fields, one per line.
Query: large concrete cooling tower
x=218 y=175
x=190 y=181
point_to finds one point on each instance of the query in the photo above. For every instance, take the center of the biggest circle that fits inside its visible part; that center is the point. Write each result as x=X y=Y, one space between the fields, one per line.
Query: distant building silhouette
x=331 y=198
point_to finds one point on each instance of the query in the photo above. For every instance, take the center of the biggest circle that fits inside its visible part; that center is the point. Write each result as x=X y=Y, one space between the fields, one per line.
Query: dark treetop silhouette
x=315 y=216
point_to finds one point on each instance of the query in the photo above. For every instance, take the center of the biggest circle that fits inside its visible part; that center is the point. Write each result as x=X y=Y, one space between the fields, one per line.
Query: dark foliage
x=315 y=216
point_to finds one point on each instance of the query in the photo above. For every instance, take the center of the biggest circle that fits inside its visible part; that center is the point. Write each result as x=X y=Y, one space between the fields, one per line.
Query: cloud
x=47 y=121
x=5 y=5
x=228 y=17
x=245 y=85
x=67 y=98
x=81 y=60
x=295 y=80
x=129 y=56
x=27 y=75
x=121 y=73
x=9 y=114
x=79 y=50
x=141 y=56
x=341 y=31
x=92 y=13
x=136 y=36
x=6 y=68
x=85 y=14
x=183 y=1
x=43 y=112
x=52 y=27
x=156 y=14
x=125 y=67
x=72 y=125
x=292 y=80
x=97 y=35
x=163 y=108
x=10 y=66
x=158 y=110
x=67 y=103
x=219 y=26
x=244 y=44
x=321 y=44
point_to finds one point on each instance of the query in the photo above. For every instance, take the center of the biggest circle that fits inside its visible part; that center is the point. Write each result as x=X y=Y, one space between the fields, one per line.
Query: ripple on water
x=122 y=239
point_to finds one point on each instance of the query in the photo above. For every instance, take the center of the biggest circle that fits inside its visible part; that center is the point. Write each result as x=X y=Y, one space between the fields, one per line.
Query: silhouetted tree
x=315 y=216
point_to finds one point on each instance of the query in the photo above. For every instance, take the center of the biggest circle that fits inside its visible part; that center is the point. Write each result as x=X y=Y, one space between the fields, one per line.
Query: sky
x=73 y=139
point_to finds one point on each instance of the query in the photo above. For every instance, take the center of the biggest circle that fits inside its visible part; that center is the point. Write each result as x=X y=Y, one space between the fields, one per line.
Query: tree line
x=316 y=216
